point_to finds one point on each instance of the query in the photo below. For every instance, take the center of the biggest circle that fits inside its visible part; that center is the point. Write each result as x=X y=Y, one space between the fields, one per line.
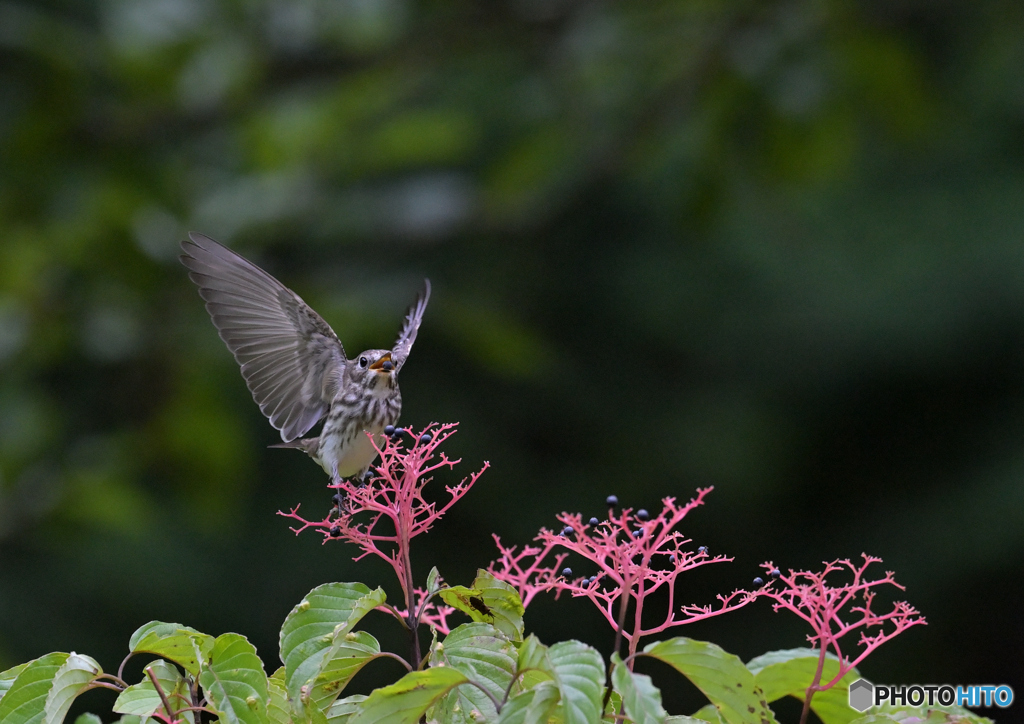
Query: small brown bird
x=294 y=364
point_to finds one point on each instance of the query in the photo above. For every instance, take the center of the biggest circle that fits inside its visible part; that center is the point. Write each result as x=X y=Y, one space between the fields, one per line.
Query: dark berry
x=775 y=573
x=335 y=530
x=339 y=498
x=425 y=438
x=702 y=549
x=567 y=530
x=637 y=533
x=594 y=521
x=642 y=514
x=387 y=365
x=567 y=572
x=612 y=501
x=389 y=430
x=399 y=431
x=672 y=558
x=758 y=582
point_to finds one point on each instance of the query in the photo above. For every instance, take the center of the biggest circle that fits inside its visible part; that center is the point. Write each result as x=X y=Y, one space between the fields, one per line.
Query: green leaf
x=533 y=655
x=72 y=678
x=486 y=657
x=346 y=657
x=235 y=682
x=468 y=600
x=25 y=700
x=343 y=709
x=502 y=599
x=143 y=700
x=405 y=701
x=679 y=719
x=181 y=644
x=7 y=677
x=278 y=711
x=88 y=719
x=708 y=713
x=721 y=676
x=433 y=581
x=578 y=670
x=533 y=706
x=613 y=708
x=790 y=672
x=489 y=601
x=316 y=623
x=641 y=699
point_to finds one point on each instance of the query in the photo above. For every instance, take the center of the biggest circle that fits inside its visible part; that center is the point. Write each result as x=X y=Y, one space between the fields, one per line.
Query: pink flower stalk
x=383 y=516
x=635 y=558
x=807 y=594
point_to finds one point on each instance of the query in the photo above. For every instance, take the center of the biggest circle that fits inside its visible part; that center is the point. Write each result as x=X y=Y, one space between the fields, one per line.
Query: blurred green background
x=776 y=247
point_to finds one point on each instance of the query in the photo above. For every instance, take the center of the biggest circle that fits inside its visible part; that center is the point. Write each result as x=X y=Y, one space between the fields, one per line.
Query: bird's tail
x=308 y=445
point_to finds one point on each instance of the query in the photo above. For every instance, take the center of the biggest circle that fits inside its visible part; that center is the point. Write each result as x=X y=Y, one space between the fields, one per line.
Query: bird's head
x=374 y=368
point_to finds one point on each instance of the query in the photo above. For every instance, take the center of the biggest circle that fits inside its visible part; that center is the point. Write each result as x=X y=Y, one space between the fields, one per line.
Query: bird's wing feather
x=291 y=359
x=413 y=317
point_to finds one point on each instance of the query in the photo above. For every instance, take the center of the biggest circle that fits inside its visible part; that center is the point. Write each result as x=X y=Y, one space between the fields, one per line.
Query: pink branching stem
x=820 y=604
x=383 y=516
x=631 y=566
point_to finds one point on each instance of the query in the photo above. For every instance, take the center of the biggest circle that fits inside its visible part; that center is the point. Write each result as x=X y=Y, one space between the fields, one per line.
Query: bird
x=294 y=364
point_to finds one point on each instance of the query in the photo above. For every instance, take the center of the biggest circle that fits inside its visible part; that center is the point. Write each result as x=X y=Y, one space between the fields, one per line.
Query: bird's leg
x=339 y=495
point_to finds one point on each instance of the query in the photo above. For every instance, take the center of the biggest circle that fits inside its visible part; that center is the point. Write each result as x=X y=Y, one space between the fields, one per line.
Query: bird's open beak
x=384 y=364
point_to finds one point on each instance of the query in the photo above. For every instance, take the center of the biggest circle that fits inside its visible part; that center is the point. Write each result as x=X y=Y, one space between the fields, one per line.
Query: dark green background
x=777 y=247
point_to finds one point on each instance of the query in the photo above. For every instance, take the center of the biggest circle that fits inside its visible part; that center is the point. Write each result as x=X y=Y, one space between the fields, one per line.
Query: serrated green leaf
x=234 y=681
x=143 y=700
x=25 y=700
x=72 y=678
x=641 y=699
x=315 y=624
x=613 y=708
x=181 y=644
x=485 y=656
x=790 y=672
x=578 y=670
x=346 y=657
x=343 y=709
x=721 y=676
x=405 y=701
x=533 y=706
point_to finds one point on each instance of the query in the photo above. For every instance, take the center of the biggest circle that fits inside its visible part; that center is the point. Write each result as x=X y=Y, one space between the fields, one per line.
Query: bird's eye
x=362 y=362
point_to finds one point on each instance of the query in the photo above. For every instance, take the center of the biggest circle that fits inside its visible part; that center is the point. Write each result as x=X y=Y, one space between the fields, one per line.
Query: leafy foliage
x=485 y=670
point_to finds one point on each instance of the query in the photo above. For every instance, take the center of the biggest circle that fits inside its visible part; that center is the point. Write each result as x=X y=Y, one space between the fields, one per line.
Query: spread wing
x=291 y=359
x=403 y=345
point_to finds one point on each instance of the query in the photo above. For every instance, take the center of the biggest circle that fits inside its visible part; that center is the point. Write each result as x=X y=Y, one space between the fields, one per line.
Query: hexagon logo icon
x=861 y=695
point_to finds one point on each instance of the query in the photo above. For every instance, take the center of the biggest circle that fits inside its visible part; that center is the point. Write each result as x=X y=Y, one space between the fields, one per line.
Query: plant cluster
x=488 y=669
